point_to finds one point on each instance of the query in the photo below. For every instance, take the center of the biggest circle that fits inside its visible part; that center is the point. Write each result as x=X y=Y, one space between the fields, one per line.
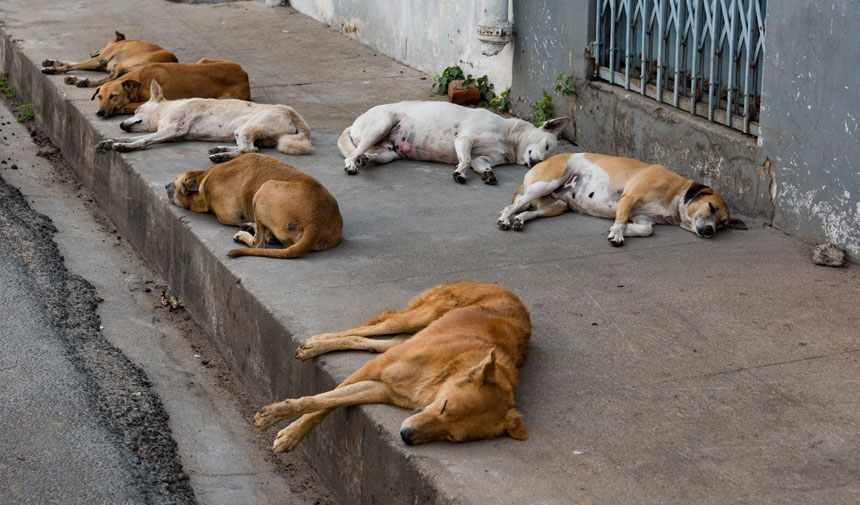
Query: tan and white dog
x=264 y=195
x=250 y=124
x=117 y=58
x=623 y=189
x=446 y=133
x=459 y=368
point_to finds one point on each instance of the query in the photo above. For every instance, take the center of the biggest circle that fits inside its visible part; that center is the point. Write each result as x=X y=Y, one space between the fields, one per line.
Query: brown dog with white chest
x=118 y=57
x=207 y=78
x=459 y=368
x=272 y=201
x=617 y=188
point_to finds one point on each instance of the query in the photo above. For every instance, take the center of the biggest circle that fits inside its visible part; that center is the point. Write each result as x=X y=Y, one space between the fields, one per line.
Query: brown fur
x=118 y=57
x=205 y=79
x=459 y=367
x=284 y=204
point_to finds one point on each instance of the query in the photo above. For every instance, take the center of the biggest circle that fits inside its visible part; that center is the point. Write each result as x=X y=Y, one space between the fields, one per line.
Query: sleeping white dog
x=214 y=119
x=447 y=133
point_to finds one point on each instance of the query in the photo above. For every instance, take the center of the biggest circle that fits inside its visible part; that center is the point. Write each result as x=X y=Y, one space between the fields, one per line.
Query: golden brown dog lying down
x=117 y=57
x=264 y=195
x=205 y=79
x=460 y=367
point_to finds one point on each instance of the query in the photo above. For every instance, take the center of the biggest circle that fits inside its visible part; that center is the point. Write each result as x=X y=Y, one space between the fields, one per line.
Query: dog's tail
x=296 y=143
x=310 y=236
x=345 y=143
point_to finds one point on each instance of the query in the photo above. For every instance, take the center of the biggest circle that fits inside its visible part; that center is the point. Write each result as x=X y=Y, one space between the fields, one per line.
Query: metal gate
x=698 y=55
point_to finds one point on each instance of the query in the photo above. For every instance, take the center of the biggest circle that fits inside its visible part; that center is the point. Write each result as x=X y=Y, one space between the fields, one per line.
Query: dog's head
x=703 y=212
x=539 y=142
x=146 y=116
x=474 y=406
x=185 y=191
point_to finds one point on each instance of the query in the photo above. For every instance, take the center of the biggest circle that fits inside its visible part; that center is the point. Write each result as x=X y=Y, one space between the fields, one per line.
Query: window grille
x=703 y=56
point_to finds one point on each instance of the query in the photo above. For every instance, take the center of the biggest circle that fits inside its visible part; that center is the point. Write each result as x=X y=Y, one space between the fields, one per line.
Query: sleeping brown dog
x=272 y=201
x=205 y=79
x=459 y=368
x=118 y=57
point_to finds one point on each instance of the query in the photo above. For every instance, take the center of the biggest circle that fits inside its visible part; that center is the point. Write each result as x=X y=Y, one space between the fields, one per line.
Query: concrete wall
x=800 y=174
x=427 y=35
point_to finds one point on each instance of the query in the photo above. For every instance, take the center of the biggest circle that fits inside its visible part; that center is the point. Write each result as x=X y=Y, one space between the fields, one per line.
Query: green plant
x=5 y=87
x=486 y=88
x=565 y=85
x=542 y=109
x=500 y=102
x=25 y=113
x=448 y=75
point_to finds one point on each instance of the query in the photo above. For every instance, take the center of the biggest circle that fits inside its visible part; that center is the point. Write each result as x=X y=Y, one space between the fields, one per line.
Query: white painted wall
x=425 y=34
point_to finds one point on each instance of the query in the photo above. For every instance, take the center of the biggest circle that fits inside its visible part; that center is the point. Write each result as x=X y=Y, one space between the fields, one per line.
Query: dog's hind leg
x=370 y=138
x=524 y=200
x=410 y=320
x=310 y=350
x=58 y=67
x=483 y=167
x=642 y=226
x=546 y=207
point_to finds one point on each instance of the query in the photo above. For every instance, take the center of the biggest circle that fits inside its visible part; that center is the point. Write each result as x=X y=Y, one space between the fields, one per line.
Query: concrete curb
x=239 y=323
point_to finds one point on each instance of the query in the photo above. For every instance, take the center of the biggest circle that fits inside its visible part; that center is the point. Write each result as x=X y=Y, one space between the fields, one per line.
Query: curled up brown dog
x=459 y=369
x=273 y=203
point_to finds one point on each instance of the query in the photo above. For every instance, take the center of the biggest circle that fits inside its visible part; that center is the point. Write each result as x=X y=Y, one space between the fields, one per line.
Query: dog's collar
x=695 y=191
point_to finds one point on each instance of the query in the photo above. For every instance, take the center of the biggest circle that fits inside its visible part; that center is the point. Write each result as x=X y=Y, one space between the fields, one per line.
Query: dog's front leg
x=622 y=215
x=463 y=147
x=484 y=167
x=124 y=145
x=357 y=393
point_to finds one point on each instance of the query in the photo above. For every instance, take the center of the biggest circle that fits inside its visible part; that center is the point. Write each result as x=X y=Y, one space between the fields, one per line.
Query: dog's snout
x=406 y=434
x=169 y=189
x=707 y=231
x=101 y=113
x=123 y=126
x=533 y=162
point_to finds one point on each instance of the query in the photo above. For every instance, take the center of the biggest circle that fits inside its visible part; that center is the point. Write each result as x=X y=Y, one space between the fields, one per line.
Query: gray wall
x=800 y=174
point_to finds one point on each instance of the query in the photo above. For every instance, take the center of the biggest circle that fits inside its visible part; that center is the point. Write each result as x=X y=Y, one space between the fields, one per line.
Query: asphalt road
x=80 y=422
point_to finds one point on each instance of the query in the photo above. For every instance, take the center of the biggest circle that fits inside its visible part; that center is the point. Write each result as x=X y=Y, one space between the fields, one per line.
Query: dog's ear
x=131 y=87
x=555 y=125
x=696 y=190
x=737 y=224
x=189 y=186
x=514 y=425
x=95 y=93
x=119 y=36
x=485 y=371
x=155 y=91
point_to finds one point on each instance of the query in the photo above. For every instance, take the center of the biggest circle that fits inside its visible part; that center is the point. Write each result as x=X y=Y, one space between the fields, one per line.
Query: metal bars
x=703 y=56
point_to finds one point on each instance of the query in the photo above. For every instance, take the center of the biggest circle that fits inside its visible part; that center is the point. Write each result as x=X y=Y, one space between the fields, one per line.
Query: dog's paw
x=220 y=157
x=267 y=416
x=49 y=63
x=518 y=224
x=459 y=178
x=305 y=351
x=49 y=70
x=218 y=149
x=70 y=79
x=351 y=169
x=104 y=146
x=289 y=438
x=250 y=228
x=616 y=236
x=489 y=178
x=362 y=160
x=503 y=225
x=82 y=83
x=244 y=237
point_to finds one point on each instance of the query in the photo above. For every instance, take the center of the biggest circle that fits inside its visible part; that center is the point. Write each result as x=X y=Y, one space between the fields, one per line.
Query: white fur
x=214 y=120
x=446 y=133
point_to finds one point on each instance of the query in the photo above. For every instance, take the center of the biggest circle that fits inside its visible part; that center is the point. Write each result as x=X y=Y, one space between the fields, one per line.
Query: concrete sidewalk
x=672 y=370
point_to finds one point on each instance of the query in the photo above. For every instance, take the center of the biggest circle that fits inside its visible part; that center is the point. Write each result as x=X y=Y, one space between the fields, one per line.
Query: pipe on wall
x=494 y=30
